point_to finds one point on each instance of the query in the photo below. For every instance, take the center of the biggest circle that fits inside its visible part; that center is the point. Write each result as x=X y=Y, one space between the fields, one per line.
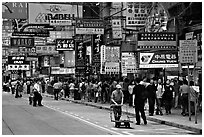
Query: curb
x=197 y=130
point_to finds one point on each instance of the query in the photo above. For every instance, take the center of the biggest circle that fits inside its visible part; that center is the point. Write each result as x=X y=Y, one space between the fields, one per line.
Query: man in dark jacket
x=151 y=90
x=139 y=101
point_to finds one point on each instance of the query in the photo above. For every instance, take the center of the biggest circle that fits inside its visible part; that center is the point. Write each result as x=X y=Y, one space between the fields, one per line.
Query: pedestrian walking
x=82 y=89
x=168 y=97
x=104 y=92
x=95 y=91
x=37 y=90
x=117 y=102
x=125 y=90
x=138 y=101
x=66 y=89
x=159 y=93
x=184 y=90
x=71 y=88
x=130 y=90
x=57 y=88
x=151 y=90
x=176 y=91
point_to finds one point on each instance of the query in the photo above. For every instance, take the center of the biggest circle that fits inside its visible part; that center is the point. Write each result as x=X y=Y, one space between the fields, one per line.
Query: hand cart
x=124 y=120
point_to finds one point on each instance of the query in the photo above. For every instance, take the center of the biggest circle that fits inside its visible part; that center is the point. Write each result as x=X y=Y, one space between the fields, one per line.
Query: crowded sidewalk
x=175 y=119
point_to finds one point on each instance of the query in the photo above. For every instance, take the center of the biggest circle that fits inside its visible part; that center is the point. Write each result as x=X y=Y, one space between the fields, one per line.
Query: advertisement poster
x=55 y=14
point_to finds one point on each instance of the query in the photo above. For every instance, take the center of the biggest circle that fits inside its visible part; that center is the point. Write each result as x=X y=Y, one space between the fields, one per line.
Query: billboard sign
x=65 y=44
x=22 y=42
x=158 y=60
x=188 y=52
x=17 y=60
x=91 y=26
x=136 y=13
x=48 y=49
x=53 y=14
x=128 y=63
x=161 y=41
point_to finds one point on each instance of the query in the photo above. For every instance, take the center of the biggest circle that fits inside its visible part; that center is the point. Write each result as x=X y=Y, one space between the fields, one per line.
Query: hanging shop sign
x=18 y=67
x=27 y=49
x=14 y=10
x=40 y=41
x=159 y=41
x=53 y=14
x=65 y=44
x=128 y=63
x=13 y=51
x=58 y=70
x=117 y=33
x=97 y=42
x=59 y=35
x=17 y=63
x=80 y=56
x=85 y=26
x=22 y=42
x=112 y=68
x=159 y=60
x=188 y=52
x=136 y=13
x=39 y=30
x=48 y=49
x=112 y=54
x=16 y=60
x=69 y=58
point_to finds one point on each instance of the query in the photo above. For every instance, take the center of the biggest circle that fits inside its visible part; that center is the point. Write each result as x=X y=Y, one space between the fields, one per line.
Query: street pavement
x=175 y=119
x=70 y=117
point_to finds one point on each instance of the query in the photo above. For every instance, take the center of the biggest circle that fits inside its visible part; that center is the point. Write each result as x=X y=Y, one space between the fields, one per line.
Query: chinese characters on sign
x=89 y=26
x=158 y=60
x=64 y=44
x=188 y=51
x=48 y=49
x=136 y=13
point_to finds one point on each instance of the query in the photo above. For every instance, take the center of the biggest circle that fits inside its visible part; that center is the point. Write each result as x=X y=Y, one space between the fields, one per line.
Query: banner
x=159 y=60
x=53 y=14
x=14 y=10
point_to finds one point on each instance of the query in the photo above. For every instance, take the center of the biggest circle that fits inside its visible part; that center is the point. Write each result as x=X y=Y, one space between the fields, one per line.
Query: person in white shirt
x=37 y=94
x=159 y=93
x=130 y=89
x=72 y=88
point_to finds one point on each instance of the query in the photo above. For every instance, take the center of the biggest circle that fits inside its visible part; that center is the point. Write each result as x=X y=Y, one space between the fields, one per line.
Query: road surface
x=67 y=118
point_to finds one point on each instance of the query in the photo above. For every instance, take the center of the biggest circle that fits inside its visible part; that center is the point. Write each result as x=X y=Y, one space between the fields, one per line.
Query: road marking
x=86 y=121
x=125 y=132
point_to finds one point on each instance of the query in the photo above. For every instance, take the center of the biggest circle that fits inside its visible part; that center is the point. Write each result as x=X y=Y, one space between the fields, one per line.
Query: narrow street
x=66 y=118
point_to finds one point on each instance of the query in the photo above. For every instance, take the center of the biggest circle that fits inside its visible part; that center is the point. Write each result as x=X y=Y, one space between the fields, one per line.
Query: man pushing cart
x=116 y=105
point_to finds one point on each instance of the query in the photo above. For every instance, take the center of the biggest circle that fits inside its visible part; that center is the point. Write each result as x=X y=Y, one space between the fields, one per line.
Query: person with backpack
x=138 y=101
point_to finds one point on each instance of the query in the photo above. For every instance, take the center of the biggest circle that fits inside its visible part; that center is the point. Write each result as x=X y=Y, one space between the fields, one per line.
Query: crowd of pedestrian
x=159 y=95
